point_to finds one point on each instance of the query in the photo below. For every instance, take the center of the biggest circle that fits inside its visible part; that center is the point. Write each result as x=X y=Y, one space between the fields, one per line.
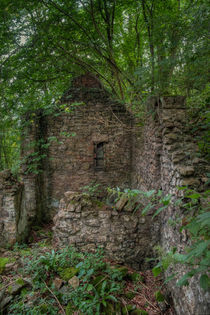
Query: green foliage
x=137 y=48
x=100 y=284
x=199 y=118
x=44 y=307
x=197 y=256
x=159 y=296
x=3 y=262
x=9 y=145
x=196 y=222
x=92 y=190
x=53 y=261
x=20 y=281
x=135 y=277
x=67 y=273
x=155 y=202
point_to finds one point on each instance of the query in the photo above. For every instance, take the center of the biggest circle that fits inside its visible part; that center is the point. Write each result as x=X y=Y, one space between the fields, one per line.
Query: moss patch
x=67 y=273
x=20 y=281
x=3 y=262
x=9 y=289
x=70 y=309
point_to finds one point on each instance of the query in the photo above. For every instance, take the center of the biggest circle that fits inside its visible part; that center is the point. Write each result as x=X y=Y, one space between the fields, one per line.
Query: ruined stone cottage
x=89 y=142
x=93 y=139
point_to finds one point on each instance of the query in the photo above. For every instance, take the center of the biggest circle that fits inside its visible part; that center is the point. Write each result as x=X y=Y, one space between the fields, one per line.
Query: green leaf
x=147 y=208
x=182 y=188
x=149 y=193
x=204 y=219
x=158 y=211
x=156 y=271
x=194 y=196
x=205 y=282
x=170 y=278
x=112 y=297
x=194 y=227
x=103 y=286
x=180 y=257
x=159 y=296
x=184 y=280
x=89 y=287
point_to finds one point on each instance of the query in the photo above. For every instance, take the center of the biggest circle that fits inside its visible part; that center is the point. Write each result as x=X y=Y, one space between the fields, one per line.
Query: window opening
x=99 y=155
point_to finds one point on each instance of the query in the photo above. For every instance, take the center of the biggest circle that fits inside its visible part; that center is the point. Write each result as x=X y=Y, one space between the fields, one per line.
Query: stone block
x=121 y=202
x=190 y=181
x=186 y=170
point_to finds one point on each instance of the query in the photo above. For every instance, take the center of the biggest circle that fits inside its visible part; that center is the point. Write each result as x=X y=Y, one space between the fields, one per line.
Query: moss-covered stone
x=3 y=262
x=68 y=273
x=9 y=289
x=20 y=281
x=16 y=287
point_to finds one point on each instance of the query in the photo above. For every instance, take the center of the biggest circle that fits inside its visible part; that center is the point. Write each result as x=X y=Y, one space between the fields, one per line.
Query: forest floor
x=38 y=278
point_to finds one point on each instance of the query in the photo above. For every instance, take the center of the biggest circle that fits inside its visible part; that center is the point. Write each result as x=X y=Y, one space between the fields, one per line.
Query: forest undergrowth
x=38 y=278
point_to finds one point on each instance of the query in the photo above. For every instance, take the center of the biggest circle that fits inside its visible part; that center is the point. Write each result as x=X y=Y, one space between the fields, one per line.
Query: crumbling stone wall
x=31 y=176
x=146 y=150
x=88 y=123
x=91 y=141
x=10 y=201
x=87 y=223
x=180 y=166
x=167 y=138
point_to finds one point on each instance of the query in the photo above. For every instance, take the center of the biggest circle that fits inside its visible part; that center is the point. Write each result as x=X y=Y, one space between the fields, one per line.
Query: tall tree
x=135 y=47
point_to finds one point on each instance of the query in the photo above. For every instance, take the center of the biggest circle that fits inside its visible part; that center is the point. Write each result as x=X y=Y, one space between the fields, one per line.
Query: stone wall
x=180 y=166
x=10 y=201
x=146 y=150
x=88 y=121
x=87 y=223
x=165 y=158
x=89 y=140
x=31 y=175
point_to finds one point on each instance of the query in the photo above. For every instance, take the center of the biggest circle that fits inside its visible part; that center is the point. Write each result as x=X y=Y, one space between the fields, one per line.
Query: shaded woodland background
x=137 y=48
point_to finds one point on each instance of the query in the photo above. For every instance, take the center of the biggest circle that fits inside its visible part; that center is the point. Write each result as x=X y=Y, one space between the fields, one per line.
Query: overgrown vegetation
x=137 y=48
x=49 y=281
x=195 y=220
x=193 y=217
